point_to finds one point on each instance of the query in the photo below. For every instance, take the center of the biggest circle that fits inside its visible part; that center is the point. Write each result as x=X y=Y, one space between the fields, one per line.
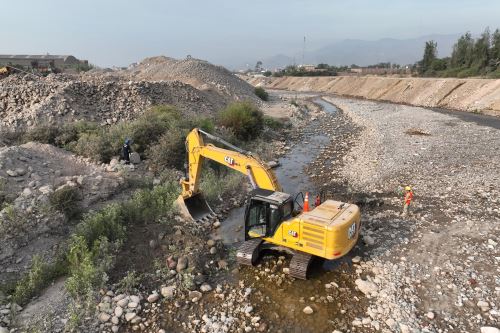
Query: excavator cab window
x=263 y=218
x=257 y=219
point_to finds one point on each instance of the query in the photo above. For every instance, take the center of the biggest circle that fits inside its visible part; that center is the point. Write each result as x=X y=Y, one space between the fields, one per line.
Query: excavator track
x=248 y=252
x=299 y=265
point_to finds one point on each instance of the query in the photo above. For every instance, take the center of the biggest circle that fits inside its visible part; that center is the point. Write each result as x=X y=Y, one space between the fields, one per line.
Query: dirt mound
x=472 y=95
x=26 y=101
x=198 y=73
x=29 y=174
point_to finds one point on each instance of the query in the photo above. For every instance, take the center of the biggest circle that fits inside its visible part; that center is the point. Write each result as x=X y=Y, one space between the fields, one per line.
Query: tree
x=495 y=48
x=482 y=50
x=430 y=54
x=463 y=52
x=258 y=66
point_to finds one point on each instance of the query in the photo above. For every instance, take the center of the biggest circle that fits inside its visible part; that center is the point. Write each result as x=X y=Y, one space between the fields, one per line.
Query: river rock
x=182 y=264
x=308 y=310
x=104 y=317
x=135 y=158
x=118 y=311
x=366 y=287
x=129 y=316
x=194 y=295
x=489 y=329
x=168 y=292
x=153 y=298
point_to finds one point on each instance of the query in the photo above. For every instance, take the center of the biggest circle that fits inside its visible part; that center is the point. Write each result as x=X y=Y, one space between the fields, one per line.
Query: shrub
x=43 y=134
x=214 y=185
x=150 y=205
x=261 y=93
x=273 y=123
x=39 y=277
x=71 y=132
x=108 y=223
x=169 y=151
x=244 y=118
x=87 y=266
x=66 y=200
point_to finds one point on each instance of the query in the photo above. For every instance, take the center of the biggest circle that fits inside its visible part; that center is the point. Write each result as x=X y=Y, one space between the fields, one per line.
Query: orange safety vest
x=408 y=197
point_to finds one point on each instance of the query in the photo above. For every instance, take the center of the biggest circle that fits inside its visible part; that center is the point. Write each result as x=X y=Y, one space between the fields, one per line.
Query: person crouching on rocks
x=408 y=197
x=126 y=150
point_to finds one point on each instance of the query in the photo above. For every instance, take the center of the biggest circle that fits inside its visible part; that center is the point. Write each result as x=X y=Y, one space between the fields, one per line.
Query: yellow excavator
x=272 y=220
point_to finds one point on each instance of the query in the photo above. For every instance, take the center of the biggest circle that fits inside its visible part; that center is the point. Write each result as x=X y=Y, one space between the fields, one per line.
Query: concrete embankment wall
x=473 y=95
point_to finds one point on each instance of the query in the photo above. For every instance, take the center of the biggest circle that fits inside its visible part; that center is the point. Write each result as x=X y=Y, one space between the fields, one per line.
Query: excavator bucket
x=195 y=207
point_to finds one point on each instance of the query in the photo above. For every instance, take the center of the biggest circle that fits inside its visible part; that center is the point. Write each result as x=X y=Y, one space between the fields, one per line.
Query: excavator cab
x=265 y=211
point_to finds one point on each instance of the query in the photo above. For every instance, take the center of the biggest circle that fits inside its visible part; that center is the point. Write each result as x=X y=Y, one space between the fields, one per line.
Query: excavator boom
x=191 y=201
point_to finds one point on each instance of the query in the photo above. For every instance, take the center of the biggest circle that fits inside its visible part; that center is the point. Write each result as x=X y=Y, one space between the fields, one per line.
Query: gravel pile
x=26 y=100
x=198 y=73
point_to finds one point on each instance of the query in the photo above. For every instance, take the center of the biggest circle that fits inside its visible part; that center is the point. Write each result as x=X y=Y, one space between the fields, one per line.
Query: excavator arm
x=259 y=173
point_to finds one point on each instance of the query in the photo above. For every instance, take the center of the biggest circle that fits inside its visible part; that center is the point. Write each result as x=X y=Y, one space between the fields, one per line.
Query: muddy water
x=279 y=299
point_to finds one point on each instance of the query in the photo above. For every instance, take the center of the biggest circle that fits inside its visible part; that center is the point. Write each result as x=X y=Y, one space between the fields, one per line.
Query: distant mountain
x=363 y=52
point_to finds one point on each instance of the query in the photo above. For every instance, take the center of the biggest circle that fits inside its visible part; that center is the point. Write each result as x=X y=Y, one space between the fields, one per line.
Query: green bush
x=66 y=200
x=214 y=185
x=169 y=151
x=243 y=118
x=43 y=134
x=150 y=205
x=273 y=123
x=40 y=275
x=108 y=223
x=87 y=266
x=261 y=93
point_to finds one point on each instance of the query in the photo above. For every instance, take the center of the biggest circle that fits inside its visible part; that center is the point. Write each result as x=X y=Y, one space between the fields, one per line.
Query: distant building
x=61 y=62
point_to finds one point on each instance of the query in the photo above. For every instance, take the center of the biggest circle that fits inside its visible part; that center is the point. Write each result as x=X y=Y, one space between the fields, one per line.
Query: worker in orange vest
x=408 y=197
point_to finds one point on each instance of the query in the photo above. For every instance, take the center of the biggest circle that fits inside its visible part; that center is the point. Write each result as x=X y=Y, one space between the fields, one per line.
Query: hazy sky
x=119 y=32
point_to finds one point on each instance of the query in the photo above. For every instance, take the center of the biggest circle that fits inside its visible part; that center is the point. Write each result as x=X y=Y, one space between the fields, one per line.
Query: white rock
x=114 y=328
x=430 y=315
x=356 y=259
x=205 y=287
x=118 y=311
x=366 y=287
x=129 y=316
x=390 y=322
x=489 y=329
x=153 y=298
x=168 y=292
x=135 y=299
x=132 y=305
x=104 y=317
x=308 y=310
x=3 y=330
x=485 y=306
x=122 y=302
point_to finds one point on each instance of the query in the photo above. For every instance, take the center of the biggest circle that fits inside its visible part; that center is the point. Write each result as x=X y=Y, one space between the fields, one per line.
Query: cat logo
x=293 y=233
x=229 y=160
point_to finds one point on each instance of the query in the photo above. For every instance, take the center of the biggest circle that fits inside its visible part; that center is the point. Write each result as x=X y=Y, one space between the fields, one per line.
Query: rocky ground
x=435 y=271
x=29 y=174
